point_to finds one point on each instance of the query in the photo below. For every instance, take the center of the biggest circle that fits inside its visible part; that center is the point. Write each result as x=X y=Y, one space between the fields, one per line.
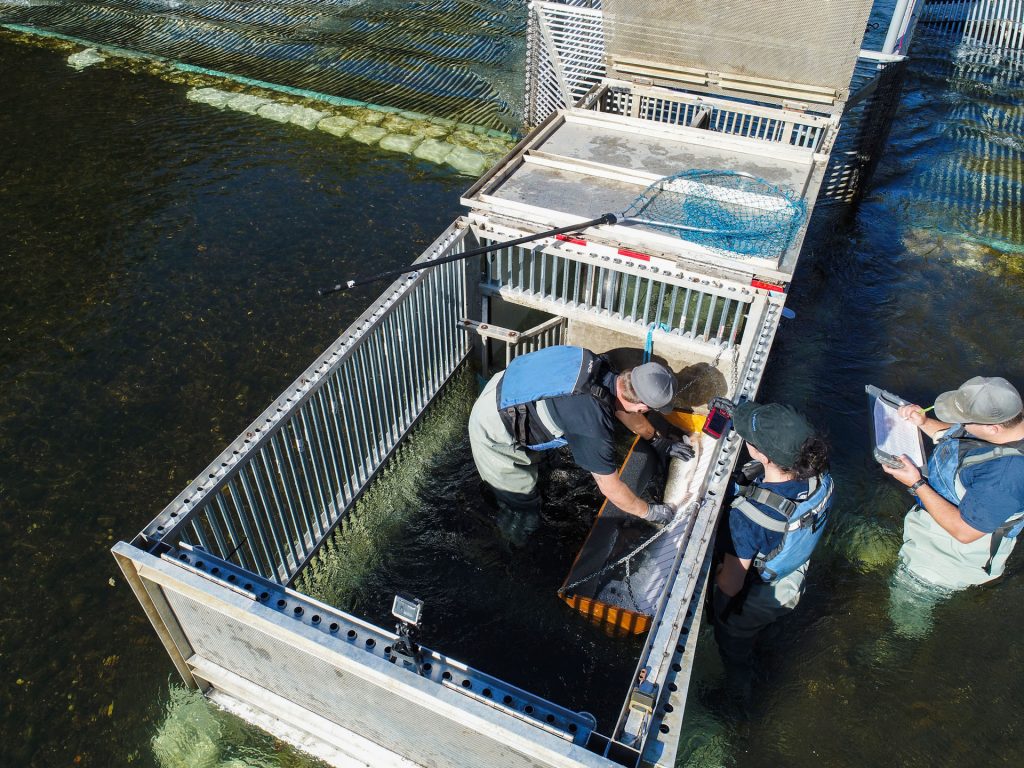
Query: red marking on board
x=755 y=283
x=573 y=240
x=633 y=255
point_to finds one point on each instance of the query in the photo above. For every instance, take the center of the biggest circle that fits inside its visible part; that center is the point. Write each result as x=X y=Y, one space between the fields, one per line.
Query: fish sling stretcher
x=621 y=570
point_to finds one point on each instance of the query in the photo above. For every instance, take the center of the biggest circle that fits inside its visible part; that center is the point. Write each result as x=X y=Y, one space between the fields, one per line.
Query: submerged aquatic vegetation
x=361 y=541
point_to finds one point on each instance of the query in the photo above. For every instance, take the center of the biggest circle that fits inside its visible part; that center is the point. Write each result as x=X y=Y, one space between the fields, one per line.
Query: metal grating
x=267 y=501
x=946 y=15
x=562 y=282
x=660 y=105
x=565 y=57
x=802 y=41
x=864 y=130
x=993 y=24
x=548 y=334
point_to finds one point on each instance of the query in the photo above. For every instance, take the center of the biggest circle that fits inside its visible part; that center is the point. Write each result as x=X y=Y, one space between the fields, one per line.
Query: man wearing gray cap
x=970 y=507
x=567 y=396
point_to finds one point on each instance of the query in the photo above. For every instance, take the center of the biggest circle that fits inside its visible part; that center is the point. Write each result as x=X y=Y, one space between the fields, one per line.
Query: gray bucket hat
x=981 y=400
x=655 y=385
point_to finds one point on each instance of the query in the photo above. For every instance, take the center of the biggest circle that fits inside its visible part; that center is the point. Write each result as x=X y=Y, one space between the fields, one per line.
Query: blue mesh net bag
x=727 y=211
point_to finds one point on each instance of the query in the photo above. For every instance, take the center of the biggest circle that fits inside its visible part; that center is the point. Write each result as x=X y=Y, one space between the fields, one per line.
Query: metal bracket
x=644 y=695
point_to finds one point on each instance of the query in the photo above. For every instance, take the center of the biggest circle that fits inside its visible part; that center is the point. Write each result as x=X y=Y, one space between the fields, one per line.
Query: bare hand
x=907 y=474
x=912 y=413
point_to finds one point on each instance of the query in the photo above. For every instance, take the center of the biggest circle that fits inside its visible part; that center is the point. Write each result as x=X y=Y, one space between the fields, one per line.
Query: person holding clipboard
x=969 y=510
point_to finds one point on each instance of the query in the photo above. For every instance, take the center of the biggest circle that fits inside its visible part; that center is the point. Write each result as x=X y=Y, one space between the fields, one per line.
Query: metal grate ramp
x=802 y=48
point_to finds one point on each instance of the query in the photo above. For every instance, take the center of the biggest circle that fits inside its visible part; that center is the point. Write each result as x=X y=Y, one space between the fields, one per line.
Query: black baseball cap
x=778 y=431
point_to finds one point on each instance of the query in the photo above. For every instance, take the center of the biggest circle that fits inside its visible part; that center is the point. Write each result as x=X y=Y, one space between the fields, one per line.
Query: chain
x=679 y=516
x=735 y=365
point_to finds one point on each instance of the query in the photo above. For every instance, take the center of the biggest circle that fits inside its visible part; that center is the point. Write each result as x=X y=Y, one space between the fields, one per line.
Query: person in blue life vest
x=969 y=509
x=778 y=513
x=567 y=396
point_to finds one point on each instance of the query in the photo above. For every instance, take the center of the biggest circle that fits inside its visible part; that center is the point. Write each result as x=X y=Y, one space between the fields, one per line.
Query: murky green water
x=159 y=261
x=919 y=289
x=159 y=266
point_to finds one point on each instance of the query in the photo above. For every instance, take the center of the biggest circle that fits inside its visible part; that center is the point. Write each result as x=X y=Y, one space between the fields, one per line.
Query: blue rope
x=649 y=344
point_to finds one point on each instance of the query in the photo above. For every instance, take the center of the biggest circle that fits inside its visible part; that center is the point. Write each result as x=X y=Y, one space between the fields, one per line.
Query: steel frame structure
x=215 y=570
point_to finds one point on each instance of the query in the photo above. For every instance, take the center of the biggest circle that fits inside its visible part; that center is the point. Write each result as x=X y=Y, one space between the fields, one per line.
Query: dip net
x=727 y=211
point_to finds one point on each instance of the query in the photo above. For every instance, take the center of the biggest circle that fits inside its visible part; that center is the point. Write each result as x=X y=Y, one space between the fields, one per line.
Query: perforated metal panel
x=812 y=42
x=372 y=711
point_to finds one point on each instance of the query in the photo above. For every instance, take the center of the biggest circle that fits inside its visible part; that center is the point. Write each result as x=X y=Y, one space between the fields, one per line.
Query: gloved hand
x=659 y=514
x=673 y=449
x=722 y=404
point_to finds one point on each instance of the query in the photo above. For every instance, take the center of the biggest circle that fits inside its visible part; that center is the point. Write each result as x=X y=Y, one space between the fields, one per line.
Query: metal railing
x=269 y=499
x=562 y=281
x=548 y=334
x=564 y=56
x=734 y=118
x=997 y=24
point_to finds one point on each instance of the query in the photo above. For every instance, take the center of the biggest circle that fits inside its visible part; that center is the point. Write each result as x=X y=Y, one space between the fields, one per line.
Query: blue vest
x=956 y=451
x=805 y=519
x=551 y=372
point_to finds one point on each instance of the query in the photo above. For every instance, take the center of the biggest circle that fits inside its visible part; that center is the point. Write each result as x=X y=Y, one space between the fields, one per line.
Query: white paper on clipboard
x=892 y=435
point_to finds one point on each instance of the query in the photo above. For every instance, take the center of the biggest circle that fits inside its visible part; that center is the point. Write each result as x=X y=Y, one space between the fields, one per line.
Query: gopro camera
x=407 y=609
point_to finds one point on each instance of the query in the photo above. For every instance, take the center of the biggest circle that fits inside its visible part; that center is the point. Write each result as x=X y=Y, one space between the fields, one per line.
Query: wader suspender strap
x=1012 y=449
x=997 y=538
x=515 y=418
x=777 y=502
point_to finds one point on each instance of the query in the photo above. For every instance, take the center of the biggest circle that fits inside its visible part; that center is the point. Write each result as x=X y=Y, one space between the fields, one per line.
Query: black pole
x=608 y=218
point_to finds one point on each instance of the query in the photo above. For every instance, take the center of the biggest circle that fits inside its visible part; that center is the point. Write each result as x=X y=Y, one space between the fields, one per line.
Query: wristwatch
x=912 y=489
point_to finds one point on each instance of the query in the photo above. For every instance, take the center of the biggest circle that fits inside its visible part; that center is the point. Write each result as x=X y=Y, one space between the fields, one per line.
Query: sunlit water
x=159 y=262
x=459 y=59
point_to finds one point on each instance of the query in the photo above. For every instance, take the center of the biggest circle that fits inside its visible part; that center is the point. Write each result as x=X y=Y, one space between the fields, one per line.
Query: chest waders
x=553 y=372
x=804 y=523
x=951 y=456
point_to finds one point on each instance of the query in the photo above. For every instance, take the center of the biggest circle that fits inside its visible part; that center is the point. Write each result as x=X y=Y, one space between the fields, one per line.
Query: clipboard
x=892 y=436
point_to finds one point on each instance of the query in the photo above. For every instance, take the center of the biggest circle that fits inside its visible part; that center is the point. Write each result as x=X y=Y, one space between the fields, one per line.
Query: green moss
x=359 y=544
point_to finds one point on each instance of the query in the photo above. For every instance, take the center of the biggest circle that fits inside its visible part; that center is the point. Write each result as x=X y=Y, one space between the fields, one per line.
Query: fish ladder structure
x=733 y=86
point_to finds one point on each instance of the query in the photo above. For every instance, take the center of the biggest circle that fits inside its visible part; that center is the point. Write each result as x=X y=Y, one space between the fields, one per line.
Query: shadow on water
x=915 y=291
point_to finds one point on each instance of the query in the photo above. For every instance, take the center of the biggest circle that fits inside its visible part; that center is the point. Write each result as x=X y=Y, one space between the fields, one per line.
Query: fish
x=684 y=477
x=640 y=590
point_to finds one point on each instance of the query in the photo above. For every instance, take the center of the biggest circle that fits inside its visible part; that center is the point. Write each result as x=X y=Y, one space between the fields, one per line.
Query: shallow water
x=160 y=260
x=916 y=291
x=458 y=59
